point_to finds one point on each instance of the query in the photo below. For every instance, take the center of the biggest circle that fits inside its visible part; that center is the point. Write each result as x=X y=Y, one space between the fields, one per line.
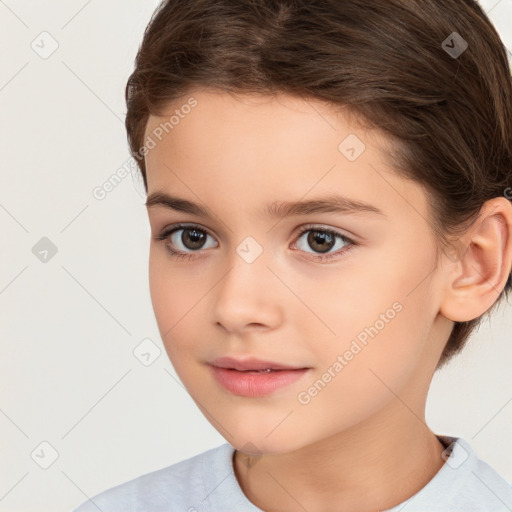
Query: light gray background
x=70 y=325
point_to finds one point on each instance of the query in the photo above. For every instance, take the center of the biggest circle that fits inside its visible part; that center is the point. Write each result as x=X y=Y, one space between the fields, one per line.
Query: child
x=329 y=188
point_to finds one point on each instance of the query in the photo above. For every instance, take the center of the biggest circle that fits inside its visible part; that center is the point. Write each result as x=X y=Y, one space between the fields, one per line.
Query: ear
x=479 y=274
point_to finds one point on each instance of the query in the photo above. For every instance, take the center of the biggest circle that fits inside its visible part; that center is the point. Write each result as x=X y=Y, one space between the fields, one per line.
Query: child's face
x=234 y=157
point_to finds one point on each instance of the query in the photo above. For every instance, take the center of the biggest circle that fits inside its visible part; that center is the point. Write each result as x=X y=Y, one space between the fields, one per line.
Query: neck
x=370 y=467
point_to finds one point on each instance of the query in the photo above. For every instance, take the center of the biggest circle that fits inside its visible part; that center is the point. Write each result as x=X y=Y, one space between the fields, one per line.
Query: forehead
x=238 y=129
x=252 y=109
x=258 y=147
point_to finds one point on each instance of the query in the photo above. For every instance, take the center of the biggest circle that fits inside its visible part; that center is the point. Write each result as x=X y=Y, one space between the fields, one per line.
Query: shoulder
x=174 y=487
x=483 y=488
x=465 y=482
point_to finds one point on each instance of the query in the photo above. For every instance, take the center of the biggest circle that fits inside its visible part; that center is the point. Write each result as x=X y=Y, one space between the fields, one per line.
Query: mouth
x=254 y=377
x=251 y=365
x=256 y=372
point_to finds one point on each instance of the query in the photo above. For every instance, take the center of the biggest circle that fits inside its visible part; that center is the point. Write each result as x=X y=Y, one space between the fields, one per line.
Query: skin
x=362 y=442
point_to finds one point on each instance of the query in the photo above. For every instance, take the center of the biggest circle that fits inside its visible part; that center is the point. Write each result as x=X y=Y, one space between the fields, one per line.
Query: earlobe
x=479 y=275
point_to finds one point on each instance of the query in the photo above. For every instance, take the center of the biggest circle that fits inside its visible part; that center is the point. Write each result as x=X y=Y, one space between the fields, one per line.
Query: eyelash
x=164 y=235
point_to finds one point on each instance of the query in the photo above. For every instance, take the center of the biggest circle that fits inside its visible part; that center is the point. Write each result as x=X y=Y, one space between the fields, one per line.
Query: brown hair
x=397 y=64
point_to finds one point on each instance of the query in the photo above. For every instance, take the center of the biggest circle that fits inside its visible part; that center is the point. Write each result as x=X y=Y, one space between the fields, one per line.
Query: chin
x=258 y=443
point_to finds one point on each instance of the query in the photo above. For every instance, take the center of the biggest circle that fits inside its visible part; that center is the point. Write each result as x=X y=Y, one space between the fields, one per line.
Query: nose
x=247 y=297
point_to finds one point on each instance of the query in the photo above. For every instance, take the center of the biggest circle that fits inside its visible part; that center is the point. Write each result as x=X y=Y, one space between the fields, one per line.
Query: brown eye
x=193 y=238
x=182 y=240
x=320 y=241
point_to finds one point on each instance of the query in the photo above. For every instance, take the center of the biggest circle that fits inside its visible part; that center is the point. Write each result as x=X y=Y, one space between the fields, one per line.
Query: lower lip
x=255 y=384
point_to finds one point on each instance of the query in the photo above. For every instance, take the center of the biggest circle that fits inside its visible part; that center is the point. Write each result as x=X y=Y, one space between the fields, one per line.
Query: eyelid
x=319 y=226
x=350 y=243
x=322 y=227
x=166 y=231
x=319 y=257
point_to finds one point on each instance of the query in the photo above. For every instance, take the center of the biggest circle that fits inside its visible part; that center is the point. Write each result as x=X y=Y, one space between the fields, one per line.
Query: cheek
x=173 y=300
x=179 y=301
x=379 y=316
x=356 y=379
x=376 y=282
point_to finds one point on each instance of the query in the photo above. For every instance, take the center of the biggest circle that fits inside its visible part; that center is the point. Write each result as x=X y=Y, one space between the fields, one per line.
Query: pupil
x=194 y=240
x=322 y=240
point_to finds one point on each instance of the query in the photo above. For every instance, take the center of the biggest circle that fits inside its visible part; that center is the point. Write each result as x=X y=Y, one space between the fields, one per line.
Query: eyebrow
x=332 y=203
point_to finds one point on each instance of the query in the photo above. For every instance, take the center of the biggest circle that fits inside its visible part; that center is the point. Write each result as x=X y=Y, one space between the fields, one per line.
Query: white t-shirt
x=207 y=483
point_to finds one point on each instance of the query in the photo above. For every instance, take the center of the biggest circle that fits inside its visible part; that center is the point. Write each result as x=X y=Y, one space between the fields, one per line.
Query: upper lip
x=251 y=363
